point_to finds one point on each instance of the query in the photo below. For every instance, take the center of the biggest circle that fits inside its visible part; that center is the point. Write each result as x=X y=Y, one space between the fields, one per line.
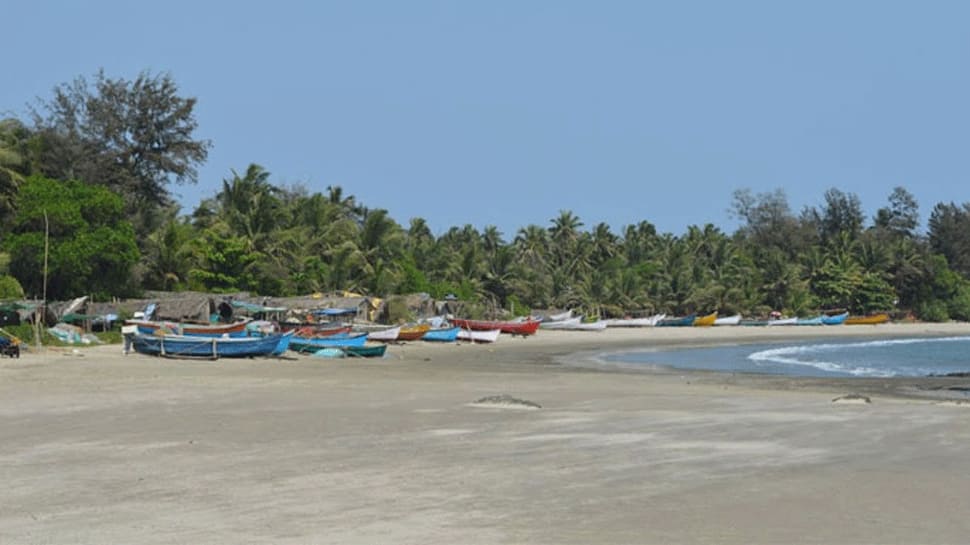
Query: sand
x=104 y=448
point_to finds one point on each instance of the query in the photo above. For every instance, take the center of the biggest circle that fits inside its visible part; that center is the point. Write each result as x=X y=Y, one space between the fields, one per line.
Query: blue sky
x=505 y=112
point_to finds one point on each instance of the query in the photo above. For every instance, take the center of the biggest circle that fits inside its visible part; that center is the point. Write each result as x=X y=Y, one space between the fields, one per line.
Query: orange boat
x=413 y=333
x=702 y=321
x=867 y=320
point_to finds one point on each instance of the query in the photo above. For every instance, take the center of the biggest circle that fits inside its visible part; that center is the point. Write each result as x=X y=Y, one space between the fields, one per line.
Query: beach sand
x=97 y=447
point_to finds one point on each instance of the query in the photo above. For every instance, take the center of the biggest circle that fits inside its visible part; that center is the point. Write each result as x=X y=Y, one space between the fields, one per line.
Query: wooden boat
x=446 y=335
x=649 y=321
x=385 y=335
x=413 y=333
x=476 y=336
x=559 y=317
x=705 y=321
x=728 y=320
x=319 y=332
x=686 y=321
x=561 y=324
x=783 y=321
x=810 y=321
x=527 y=327
x=867 y=320
x=598 y=325
x=149 y=327
x=375 y=351
x=183 y=346
x=303 y=344
x=838 y=319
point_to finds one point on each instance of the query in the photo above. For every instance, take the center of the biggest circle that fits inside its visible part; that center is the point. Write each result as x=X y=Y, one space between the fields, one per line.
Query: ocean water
x=856 y=358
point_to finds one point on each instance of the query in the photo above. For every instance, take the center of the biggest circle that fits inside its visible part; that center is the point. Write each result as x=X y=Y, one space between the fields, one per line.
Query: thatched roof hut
x=365 y=308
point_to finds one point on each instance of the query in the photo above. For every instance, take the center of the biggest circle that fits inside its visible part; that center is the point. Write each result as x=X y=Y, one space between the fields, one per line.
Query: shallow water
x=837 y=358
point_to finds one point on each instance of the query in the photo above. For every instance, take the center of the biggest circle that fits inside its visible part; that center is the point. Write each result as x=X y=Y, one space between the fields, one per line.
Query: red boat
x=527 y=327
x=148 y=327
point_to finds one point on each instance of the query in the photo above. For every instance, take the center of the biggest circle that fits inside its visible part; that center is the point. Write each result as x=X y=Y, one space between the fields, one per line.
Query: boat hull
x=528 y=327
x=303 y=344
x=448 y=335
x=705 y=321
x=838 y=319
x=728 y=320
x=207 y=347
x=488 y=336
x=686 y=321
x=148 y=327
x=867 y=320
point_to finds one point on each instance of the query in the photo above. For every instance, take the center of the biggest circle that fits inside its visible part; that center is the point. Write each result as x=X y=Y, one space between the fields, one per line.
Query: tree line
x=89 y=173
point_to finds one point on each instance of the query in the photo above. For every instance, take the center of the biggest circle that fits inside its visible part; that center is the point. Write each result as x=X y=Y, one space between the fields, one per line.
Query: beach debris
x=853 y=398
x=505 y=401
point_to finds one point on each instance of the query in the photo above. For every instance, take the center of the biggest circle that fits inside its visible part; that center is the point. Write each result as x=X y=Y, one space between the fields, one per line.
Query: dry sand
x=104 y=448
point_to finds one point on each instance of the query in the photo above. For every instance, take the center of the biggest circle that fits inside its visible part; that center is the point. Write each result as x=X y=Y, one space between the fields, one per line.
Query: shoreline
x=105 y=448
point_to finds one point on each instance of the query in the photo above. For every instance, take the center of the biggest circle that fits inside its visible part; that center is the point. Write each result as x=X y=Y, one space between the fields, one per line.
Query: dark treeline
x=93 y=165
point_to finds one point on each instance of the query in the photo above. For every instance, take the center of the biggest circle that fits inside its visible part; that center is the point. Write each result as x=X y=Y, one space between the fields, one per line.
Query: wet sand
x=105 y=448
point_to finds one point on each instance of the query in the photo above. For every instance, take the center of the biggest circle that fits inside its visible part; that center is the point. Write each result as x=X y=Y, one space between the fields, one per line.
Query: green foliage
x=92 y=248
x=933 y=311
x=10 y=288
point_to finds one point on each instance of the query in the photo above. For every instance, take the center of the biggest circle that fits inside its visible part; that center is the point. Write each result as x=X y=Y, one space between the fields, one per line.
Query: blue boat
x=448 y=335
x=304 y=344
x=181 y=346
x=686 y=321
x=818 y=320
x=838 y=319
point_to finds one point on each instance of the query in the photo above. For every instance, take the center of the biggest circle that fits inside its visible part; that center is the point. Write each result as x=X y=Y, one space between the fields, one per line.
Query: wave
x=799 y=355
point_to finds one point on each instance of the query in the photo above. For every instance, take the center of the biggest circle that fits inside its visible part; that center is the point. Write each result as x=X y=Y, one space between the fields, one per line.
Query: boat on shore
x=728 y=320
x=837 y=319
x=524 y=328
x=444 y=335
x=149 y=327
x=685 y=321
x=183 y=346
x=648 y=321
x=303 y=344
x=385 y=335
x=867 y=320
x=810 y=321
x=479 y=336
x=559 y=317
x=705 y=321
x=783 y=321
x=568 y=323
x=413 y=332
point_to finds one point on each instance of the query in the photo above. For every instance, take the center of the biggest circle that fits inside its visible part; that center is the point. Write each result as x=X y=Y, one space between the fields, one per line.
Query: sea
x=905 y=357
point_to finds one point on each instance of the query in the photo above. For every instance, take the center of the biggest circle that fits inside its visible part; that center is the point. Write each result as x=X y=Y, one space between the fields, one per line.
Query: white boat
x=385 y=335
x=728 y=320
x=479 y=336
x=784 y=321
x=649 y=321
x=561 y=324
x=598 y=325
x=559 y=317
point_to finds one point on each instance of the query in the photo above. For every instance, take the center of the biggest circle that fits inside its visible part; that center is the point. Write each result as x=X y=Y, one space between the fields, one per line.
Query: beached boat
x=783 y=321
x=375 y=351
x=182 y=346
x=476 y=336
x=867 y=320
x=837 y=319
x=705 y=321
x=303 y=344
x=728 y=320
x=149 y=327
x=810 y=321
x=443 y=335
x=685 y=321
x=752 y=322
x=527 y=327
x=598 y=325
x=561 y=324
x=413 y=333
x=649 y=321
x=385 y=335
x=559 y=317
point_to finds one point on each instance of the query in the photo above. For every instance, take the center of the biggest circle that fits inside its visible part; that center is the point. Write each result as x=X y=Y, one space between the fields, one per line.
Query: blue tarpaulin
x=335 y=311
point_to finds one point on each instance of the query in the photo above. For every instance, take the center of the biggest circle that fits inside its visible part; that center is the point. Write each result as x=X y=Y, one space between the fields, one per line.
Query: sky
x=506 y=112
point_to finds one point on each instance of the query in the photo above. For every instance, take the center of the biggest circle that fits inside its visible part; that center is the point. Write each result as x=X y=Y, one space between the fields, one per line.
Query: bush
x=933 y=311
x=959 y=306
x=10 y=288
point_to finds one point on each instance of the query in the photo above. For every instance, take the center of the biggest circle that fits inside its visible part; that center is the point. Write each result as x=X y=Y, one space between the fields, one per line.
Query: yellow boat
x=867 y=320
x=413 y=333
x=703 y=321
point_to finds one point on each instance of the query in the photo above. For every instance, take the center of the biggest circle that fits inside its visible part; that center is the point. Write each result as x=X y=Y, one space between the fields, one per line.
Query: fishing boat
x=413 y=333
x=685 y=321
x=649 y=321
x=527 y=327
x=728 y=320
x=183 y=346
x=446 y=335
x=375 y=351
x=818 y=320
x=476 y=336
x=783 y=321
x=559 y=317
x=705 y=321
x=303 y=344
x=598 y=325
x=385 y=335
x=149 y=327
x=837 y=319
x=867 y=320
x=568 y=323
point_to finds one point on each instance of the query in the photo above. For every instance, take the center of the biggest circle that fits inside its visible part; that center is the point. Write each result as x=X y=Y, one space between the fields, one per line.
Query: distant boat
x=838 y=319
x=413 y=333
x=476 y=336
x=818 y=320
x=686 y=321
x=375 y=351
x=559 y=317
x=149 y=327
x=526 y=327
x=705 y=321
x=783 y=321
x=447 y=335
x=567 y=323
x=207 y=347
x=649 y=321
x=728 y=320
x=385 y=335
x=303 y=344
x=867 y=320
